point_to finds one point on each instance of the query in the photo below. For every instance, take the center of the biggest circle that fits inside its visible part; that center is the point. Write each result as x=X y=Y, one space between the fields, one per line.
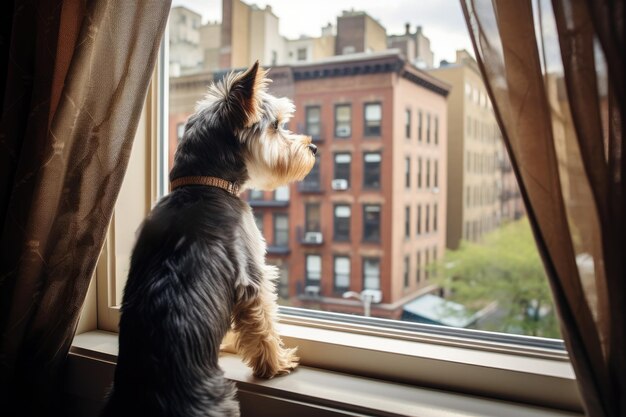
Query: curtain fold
x=76 y=76
x=554 y=72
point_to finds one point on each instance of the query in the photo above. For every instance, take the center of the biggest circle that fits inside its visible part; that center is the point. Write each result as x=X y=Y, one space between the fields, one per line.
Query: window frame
x=349 y=122
x=348 y=237
x=374 y=169
x=307 y=279
x=337 y=289
x=378 y=239
x=370 y=259
x=537 y=370
x=366 y=127
x=275 y=229
x=307 y=123
x=349 y=169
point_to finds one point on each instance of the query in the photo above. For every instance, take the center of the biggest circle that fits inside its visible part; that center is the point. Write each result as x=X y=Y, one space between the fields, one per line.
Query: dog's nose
x=313 y=148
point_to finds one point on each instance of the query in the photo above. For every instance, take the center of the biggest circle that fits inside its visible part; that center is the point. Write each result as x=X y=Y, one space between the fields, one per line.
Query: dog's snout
x=312 y=148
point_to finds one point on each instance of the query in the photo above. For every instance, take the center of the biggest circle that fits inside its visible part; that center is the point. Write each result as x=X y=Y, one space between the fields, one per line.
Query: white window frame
x=499 y=366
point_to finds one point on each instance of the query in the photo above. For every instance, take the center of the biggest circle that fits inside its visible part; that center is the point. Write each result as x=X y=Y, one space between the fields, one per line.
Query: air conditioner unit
x=313 y=237
x=312 y=290
x=339 y=184
x=342 y=131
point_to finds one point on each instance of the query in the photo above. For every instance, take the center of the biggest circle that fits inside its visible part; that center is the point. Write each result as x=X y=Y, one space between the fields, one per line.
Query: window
x=427 y=219
x=343 y=120
x=282 y=193
x=426 y=265
x=313 y=126
x=435 y=210
x=281 y=230
x=406 y=272
x=258 y=219
x=313 y=269
x=407 y=172
x=419 y=173
x=301 y=54
x=407 y=222
x=419 y=219
x=428 y=173
x=342 y=167
x=419 y=126
x=180 y=131
x=407 y=124
x=427 y=127
x=312 y=219
x=436 y=130
x=341 y=229
x=255 y=195
x=371 y=170
x=436 y=173
x=373 y=117
x=371 y=223
x=418 y=268
x=312 y=181
x=371 y=273
x=342 y=274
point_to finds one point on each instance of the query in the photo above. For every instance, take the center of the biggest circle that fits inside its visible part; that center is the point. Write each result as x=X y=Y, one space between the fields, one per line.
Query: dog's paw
x=282 y=363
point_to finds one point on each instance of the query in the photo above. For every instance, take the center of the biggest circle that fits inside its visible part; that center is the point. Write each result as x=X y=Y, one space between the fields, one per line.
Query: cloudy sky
x=442 y=20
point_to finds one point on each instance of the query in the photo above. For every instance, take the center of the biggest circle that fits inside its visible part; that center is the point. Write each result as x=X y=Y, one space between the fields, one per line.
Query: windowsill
x=341 y=393
x=278 y=250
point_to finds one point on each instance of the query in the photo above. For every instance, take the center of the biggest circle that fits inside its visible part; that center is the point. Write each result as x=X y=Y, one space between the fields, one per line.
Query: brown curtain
x=74 y=78
x=555 y=74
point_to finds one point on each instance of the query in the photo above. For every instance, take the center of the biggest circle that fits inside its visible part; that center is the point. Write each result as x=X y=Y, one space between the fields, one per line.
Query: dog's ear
x=235 y=101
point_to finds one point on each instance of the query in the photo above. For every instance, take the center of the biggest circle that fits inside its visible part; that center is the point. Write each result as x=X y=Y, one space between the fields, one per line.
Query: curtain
x=74 y=78
x=555 y=74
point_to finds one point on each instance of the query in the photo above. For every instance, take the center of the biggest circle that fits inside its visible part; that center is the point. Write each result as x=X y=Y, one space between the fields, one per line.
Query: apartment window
x=341 y=222
x=468 y=125
x=419 y=125
x=428 y=173
x=407 y=124
x=426 y=264
x=436 y=130
x=312 y=218
x=407 y=172
x=419 y=219
x=258 y=219
x=180 y=131
x=407 y=222
x=419 y=173
x=371 y=274
x=281 y=229
x=282 y=193
x=371 y=170
x=427 y=219
x=312 y=180
x=313 y=124
x=436 y=173
x=435 y=210
x=343 y=120
x=301 y=54
x=255 y=195
x=373 y=117
x=342 y=273
x=427 y=127
x=342 y=167
x=371 y=223
x=418 y=268
x=313 y=269
x=406 y=272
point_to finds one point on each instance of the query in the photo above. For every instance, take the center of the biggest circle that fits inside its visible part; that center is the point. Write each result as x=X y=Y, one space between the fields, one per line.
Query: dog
x=198 y=267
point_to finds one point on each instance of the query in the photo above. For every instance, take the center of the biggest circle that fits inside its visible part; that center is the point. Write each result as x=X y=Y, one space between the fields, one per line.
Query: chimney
x=407 y=28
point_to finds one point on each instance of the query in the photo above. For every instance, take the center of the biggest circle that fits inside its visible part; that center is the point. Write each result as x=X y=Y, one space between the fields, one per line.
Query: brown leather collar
x=231 y=187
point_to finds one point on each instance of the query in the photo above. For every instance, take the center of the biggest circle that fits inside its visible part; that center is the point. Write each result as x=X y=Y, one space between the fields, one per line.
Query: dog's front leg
x=255 y=331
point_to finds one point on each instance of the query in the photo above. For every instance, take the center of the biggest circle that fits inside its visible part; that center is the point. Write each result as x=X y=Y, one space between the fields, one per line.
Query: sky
x=441 y=20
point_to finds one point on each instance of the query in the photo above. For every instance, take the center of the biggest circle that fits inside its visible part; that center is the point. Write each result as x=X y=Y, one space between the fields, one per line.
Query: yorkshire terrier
x=198 y=268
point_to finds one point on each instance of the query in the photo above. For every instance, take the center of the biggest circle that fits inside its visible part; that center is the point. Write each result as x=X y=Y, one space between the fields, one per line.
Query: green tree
x=504 y=268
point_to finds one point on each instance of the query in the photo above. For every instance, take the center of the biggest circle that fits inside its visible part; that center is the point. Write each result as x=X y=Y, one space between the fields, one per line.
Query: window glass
x=452 y=221
x=373 y=117
x=342 y=223
x=343 y=121
x=342 y=273
x=371 y=170
x=371 y=223
x=313 y=121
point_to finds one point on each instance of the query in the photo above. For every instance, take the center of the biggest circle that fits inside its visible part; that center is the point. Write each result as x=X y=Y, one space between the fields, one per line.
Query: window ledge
x=308 y=390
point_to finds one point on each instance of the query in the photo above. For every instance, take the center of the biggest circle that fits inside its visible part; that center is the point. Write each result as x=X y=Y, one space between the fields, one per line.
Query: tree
x=504 y=268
